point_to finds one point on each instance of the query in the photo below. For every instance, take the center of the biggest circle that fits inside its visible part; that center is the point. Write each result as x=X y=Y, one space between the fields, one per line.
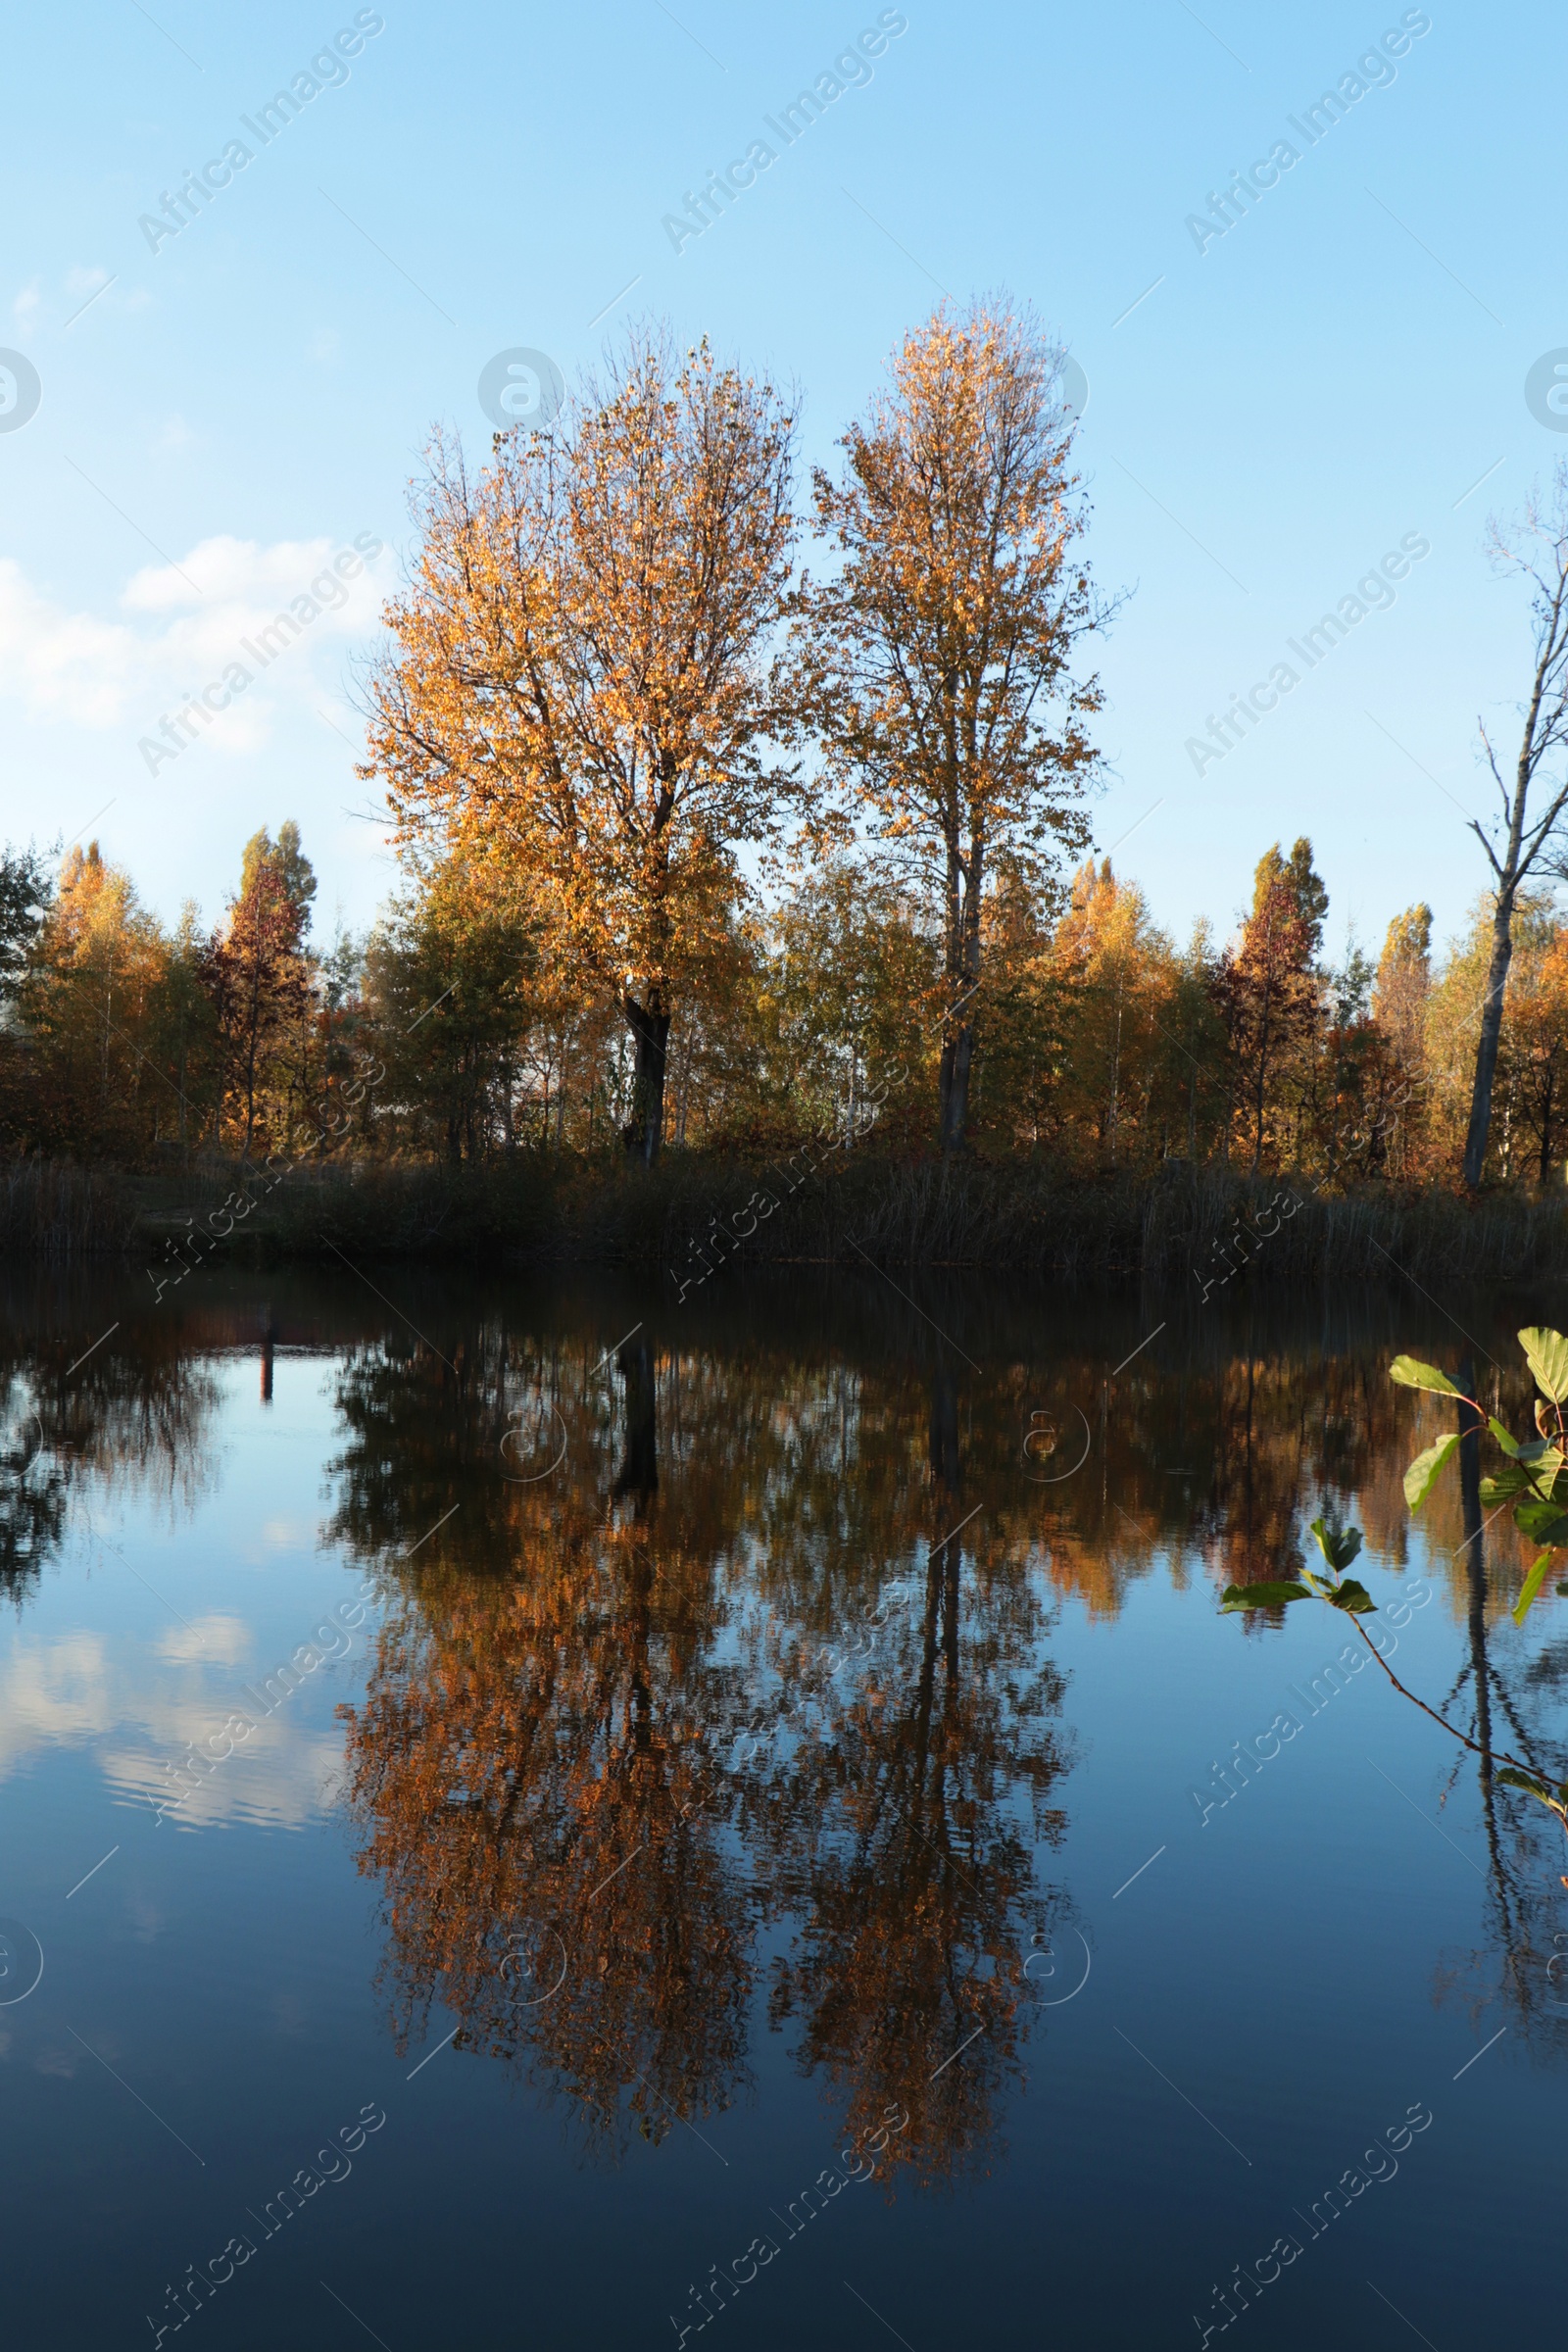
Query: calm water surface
x=550 y=1818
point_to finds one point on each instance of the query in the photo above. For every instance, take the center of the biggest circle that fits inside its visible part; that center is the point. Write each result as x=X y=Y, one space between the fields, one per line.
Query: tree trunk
x=962 y=957
x=1475 y=1146
x=944 y=1438
x=957 y=1055
x=1547 y=1091
x=1262 y=1074
x=639 y=1468
x=644 y=1131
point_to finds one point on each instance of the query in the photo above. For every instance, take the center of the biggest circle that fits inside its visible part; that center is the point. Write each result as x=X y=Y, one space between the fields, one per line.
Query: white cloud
x=137 y=1721
x=182 y=625
x=279 y=1776
x=56 y=661
x=214 y=1640
x=57 y=1690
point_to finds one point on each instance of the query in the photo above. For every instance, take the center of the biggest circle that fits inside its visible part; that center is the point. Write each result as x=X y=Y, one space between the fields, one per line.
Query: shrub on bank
x=1199 y=1227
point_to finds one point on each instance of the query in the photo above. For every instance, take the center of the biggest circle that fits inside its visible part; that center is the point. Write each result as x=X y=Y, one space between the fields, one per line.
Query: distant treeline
x=446 y=1034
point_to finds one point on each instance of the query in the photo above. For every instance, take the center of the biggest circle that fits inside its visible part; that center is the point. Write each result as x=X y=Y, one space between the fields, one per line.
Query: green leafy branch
x=1535 y=1470
x=1338 y=1547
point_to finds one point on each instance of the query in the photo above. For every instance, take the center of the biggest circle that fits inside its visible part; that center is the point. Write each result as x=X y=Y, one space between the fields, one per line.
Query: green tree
x=1304 y=893
x=447 y=977
x=856 y=977
x=182 y=1030
x=25 y=893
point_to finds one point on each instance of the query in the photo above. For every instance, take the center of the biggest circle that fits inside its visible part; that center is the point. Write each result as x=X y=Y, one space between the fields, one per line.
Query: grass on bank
x=1182 y=1225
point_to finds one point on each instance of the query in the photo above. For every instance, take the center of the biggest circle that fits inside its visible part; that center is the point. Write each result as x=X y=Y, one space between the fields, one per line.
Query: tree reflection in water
x=621 y=1804
x=1525 y=1851
x=600 y=1723
x=129 y=1417
x=1524 y=1875
x=599 y=1728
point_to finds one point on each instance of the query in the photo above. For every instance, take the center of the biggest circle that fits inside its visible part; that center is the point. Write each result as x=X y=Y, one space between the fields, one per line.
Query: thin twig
x=1484 y=1755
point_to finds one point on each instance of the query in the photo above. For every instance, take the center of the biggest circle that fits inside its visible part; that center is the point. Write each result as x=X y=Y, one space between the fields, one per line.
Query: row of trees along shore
x=698 y=846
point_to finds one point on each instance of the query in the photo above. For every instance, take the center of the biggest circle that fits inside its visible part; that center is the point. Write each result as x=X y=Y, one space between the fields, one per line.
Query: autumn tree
x=577 y=679
x=94 y=966
x=1268 y=990
x=1118 y=976
x=1530 y=1102
x=261 y=982
x=1401 y=992
x=1403 y=983
x=935 y=666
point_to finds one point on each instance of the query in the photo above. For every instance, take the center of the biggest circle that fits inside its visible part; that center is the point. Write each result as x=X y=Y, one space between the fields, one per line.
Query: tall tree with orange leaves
x=937 y=665
x=93 y=972
x=261 y=979
x=1269 y=995
x=578 y=681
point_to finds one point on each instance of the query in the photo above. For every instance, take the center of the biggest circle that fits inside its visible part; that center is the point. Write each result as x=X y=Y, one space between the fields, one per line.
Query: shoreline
x=1205 y=1229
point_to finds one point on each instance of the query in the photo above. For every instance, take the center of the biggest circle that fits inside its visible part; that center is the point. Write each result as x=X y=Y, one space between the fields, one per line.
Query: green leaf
x=1261 y=1596
x=1411 y=1375
x=1355 y=1598
x=1542 y=1522
x=1510 y=1777
x=1533 y=1450
x=1423 y=1472
x=1339 y=1545
x=1512 y=1481
x=1546 y=1353
x=1531 y=1586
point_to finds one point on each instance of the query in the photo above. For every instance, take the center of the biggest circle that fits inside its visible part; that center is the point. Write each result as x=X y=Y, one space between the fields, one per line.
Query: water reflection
x=125 y=1414
x=1500 y=1708
x=1491 y=1709
x=601 y=1722
x=715 y=1689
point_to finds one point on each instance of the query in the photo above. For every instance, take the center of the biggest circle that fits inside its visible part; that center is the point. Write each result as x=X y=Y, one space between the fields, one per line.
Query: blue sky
x=1334 y=373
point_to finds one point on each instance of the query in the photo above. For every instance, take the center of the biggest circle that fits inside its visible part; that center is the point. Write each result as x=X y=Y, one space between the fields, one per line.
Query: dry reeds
x=1183 y=1225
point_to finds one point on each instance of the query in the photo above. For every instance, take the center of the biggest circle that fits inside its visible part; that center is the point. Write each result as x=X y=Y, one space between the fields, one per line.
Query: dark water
x=746 y=1805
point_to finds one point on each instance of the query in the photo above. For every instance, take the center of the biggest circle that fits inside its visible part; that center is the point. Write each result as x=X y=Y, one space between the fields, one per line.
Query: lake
x=539 y=1816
